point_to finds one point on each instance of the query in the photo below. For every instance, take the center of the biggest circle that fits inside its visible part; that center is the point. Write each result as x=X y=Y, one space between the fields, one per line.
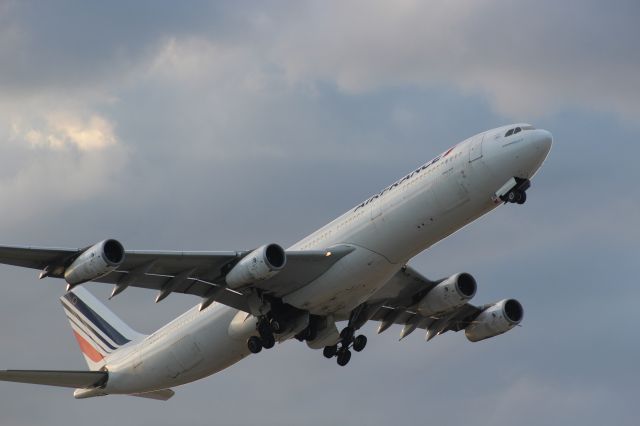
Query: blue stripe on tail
x=96 y=319
x=89 y=330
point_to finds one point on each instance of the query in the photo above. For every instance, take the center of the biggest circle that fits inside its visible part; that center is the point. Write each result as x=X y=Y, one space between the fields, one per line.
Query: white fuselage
x=432 y=202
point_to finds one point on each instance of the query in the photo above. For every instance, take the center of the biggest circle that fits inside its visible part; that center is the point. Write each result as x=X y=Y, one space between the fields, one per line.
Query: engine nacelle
x=496 y=319
x=95 y=262
x=450 y=294
x=259 y=265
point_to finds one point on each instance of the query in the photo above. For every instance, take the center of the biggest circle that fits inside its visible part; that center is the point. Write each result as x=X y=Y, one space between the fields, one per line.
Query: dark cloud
x=77 y=45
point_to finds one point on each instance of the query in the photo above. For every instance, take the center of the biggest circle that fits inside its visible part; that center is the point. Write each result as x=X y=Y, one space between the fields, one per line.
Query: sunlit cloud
x=59 y=131
x=56 y=159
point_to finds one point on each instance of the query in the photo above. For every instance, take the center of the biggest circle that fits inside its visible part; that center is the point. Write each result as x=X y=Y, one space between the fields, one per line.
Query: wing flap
x=66 y=379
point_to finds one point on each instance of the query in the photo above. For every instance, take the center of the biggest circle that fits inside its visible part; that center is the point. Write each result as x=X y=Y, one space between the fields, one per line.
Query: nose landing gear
x=518 y=197
x=517 y=194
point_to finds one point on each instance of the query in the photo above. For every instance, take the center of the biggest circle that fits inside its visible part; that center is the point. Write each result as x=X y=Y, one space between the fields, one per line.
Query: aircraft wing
x=395 y=304
x=190 y=272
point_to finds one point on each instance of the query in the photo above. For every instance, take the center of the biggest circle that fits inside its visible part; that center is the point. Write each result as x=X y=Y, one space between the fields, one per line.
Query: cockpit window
x=518 y=130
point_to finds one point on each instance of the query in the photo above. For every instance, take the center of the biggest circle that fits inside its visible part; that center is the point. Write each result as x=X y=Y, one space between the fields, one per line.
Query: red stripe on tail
x=87 y=349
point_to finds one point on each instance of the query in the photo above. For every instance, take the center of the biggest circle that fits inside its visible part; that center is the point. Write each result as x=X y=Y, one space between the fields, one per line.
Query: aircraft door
x=475 y=150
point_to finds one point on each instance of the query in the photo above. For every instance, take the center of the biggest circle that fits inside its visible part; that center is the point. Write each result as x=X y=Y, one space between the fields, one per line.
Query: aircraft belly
x=204 y=348
x=350 y=282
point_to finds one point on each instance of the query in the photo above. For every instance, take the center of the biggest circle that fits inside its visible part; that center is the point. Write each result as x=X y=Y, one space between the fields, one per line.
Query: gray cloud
x=235 y=125
x=527 y=59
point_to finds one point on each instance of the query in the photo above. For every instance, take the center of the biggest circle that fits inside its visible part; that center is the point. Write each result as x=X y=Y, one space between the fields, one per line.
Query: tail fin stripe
x=87 y=349
x=87 y=328
x=90 y=333
x=96 y=319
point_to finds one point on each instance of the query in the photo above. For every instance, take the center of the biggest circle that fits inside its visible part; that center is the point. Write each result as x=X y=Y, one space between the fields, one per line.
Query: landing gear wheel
x=269 y=342
x=518 y=197
x=254 y=344
x=344 y=355
x=265 y=331
x=359 y=343
x=523 y=198
x=330 y=351
x=275 y=325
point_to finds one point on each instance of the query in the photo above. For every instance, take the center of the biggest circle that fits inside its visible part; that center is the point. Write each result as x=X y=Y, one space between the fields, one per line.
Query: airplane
x=352 y=270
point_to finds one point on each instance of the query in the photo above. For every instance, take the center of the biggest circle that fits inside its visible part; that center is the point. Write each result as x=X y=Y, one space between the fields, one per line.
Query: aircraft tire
x=344 y=355
x=268 y=342
x=265 y=332
x=275 y=325
x=254 y=344
x=359 y=343
x=330 y=351
x=523 y=198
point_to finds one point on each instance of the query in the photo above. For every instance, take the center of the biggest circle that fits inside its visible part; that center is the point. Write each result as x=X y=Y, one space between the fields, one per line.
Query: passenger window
x=509 y=133
x=517 y=130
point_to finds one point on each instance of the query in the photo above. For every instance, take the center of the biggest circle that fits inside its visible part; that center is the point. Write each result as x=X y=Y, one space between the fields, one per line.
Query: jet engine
x=259 y=265
x=451 y=293
x=496 y=319
x=95 y=262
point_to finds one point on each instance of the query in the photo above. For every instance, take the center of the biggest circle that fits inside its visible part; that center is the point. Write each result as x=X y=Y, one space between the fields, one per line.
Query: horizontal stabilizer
x=66 y=379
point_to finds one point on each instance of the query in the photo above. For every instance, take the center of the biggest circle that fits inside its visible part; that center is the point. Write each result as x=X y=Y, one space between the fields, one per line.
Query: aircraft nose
x=542 y=141
x=534 y=151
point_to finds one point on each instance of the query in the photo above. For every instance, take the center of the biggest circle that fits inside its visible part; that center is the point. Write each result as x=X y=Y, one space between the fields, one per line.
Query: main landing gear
x=518 y=194
x=348 y=339
x=266 y=330
x=341 y=349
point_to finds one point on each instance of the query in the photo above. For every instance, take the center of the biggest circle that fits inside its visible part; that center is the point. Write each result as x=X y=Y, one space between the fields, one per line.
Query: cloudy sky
x=226 y=125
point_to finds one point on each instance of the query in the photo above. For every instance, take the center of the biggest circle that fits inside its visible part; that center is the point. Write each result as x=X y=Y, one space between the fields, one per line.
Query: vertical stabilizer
x=99 y=331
